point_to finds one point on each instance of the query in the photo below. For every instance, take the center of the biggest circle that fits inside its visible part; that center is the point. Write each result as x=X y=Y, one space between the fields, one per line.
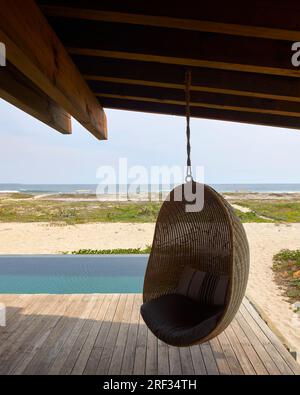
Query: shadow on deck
x=104 y=334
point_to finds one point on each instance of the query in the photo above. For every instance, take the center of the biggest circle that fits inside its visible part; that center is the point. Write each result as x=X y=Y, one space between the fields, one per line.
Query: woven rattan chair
x=212 y=240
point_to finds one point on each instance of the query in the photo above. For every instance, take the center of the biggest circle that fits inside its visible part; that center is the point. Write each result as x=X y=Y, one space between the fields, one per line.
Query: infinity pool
x=66 y=274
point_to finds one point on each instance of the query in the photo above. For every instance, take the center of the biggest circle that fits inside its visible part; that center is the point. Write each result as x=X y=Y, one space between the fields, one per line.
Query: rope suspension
x=188 y=80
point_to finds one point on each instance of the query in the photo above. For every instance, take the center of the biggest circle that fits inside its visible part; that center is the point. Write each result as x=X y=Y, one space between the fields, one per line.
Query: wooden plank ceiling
x=134 y=54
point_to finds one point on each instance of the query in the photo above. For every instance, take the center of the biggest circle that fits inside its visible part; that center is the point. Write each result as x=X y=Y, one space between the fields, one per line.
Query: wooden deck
x=104 y=334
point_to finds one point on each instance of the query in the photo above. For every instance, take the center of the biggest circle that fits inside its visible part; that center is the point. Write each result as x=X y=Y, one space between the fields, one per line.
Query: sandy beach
x=265 y=240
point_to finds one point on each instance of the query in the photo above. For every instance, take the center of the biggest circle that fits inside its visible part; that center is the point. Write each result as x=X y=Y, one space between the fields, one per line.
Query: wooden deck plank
x=141 y=348
x=13 y=305
x=105 y=334
x=47 y=353
x=87 y=307
x=128 y=357
x=79 y=344
x=13 y=317
x=239 y=352
x=111 y=339
x=219 y=356
x=175 y=361
x=91 y=337
x=186 y=361
x=97 y=347
x=209 y=360
x=163 y=364
x=59 y=335
x=36 y=341
x=151 y=354
x=229 y=354
x=24 y=321
x=36 y=338
x=261 y=351
x=286 y=356
x=15 y=353
x=249 y=349
x=198 y=362
x=279 y=362
x=19 y=314
x=12 y=298
x=47 y=324
x=119 y=349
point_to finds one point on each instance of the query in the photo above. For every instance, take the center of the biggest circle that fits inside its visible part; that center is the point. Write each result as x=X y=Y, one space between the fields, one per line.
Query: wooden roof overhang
x=133 y=55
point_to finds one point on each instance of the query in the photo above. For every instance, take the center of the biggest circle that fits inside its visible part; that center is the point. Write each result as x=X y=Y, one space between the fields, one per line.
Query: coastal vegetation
x=72 y=209
x=286 y=266
x=251 y=217
x=115 y=251
x=79 y=212
x=276 y=210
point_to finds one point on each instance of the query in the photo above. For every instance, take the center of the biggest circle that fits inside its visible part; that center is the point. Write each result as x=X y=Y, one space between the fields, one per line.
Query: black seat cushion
x=179 y=320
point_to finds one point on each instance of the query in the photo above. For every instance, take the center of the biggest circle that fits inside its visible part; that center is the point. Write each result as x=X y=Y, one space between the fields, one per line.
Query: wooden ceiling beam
x=34 y=49
x=196 y=88
x=203 y=80
x=175 y=47
x=22 y=93
x=280 y=14
x=147 y=57
x=207 y=113
x=173 y=23
x=202 y=105
x=210 y=98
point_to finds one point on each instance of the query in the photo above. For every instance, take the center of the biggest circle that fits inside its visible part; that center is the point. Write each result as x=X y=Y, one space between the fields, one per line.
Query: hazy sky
x=31 y=152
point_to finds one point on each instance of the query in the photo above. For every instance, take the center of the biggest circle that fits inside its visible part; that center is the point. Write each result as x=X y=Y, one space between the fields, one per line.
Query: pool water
x=66 y=274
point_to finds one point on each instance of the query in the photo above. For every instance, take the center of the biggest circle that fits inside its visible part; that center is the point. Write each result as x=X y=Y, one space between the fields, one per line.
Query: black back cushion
x=205 y=288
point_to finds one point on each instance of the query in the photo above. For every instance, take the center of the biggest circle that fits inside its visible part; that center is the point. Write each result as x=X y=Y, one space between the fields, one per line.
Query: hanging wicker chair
x=212 y=241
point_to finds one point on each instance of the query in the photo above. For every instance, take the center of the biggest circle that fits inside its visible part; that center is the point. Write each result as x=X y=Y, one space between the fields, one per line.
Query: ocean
x=91 y=188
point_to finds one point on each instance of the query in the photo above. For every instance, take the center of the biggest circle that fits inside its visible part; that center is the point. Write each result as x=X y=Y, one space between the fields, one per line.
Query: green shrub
x=286 y=266
x=117 y=251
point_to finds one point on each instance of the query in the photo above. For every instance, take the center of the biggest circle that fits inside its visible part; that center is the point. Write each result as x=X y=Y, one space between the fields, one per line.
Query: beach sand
x=265 y=240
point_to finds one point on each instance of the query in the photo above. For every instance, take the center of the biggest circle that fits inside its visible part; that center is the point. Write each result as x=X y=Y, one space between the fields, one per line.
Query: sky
x=33 y=153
